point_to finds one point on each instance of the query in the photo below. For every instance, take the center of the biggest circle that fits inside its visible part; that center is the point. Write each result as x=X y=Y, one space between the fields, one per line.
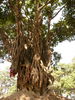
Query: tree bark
x=30 y=58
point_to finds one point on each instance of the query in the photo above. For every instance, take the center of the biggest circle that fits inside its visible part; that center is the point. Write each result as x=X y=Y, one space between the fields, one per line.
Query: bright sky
x=57 y=18
x=66 y=48
x=4 y=66
x=67 y=51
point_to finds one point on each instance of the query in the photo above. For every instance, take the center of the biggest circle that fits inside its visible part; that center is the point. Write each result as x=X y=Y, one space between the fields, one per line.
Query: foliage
x=7 y=20
x=7 y=85
x=65 y=79
x=60 y=31
x=69 y=12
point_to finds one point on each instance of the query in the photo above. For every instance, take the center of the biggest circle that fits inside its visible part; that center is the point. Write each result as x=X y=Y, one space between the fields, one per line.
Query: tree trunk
x=30 y=59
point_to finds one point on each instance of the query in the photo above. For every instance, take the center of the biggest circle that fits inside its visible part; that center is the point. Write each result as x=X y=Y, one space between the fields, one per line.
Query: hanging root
x=32 y=68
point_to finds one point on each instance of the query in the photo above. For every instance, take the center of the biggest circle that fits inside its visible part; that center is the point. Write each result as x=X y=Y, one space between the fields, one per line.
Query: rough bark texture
x=31 y=69
x=31 y=56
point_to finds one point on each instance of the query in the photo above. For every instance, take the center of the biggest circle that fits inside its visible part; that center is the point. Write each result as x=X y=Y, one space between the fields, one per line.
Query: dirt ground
x=29 y=95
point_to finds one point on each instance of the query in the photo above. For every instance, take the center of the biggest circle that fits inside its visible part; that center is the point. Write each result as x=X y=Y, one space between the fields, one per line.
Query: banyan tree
x=28 y=38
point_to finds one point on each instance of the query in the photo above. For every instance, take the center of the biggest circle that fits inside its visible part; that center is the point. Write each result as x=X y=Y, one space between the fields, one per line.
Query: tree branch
x=58 y=12
x=46 y=3
x=5 y=39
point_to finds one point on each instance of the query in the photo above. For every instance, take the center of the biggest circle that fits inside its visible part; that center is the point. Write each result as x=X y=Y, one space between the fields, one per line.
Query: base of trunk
x=29 y=95
x=33 y=79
